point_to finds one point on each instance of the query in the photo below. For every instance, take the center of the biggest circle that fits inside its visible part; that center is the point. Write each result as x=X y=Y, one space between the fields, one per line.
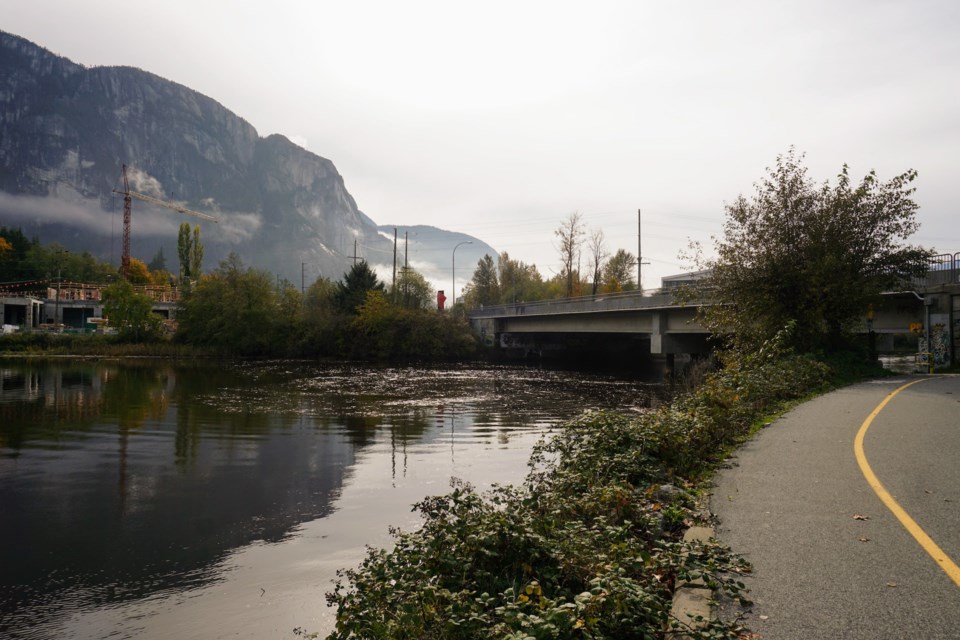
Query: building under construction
x=73 y=306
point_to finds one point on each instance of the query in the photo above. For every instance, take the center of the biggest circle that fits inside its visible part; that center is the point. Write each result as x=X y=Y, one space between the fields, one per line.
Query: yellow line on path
x=945 y=563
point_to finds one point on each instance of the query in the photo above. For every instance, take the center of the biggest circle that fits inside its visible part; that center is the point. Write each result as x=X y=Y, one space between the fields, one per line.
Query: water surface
x=158 y=501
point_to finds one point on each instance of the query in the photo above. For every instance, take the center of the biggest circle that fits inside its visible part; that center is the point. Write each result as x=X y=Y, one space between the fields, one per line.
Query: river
x=151 y=500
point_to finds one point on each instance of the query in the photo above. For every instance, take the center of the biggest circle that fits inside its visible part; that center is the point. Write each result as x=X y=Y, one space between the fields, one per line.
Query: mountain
x=66 y=130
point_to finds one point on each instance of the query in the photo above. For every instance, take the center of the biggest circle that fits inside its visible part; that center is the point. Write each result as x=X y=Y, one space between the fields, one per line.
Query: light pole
x=453 y=300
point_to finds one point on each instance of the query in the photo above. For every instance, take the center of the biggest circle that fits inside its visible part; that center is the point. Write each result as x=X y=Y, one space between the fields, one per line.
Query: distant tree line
x=507 y=280
x=25 y=261
x=243 y=310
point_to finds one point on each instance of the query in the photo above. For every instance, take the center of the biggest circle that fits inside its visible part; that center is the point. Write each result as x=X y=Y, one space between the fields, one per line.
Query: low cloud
x=31 y=210
x=146 y=220
x=239 y=227
x=144 y=183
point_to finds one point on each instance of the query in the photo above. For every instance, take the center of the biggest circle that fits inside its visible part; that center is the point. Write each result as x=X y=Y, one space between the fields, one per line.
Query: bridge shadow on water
x=616 y=354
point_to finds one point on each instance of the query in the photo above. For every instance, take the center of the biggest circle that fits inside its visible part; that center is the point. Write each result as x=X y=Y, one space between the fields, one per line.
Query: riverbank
x=591 y=545
x=86 y=345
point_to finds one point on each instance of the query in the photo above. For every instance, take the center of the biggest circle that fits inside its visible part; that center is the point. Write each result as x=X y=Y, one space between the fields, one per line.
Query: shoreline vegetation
x=591 y=544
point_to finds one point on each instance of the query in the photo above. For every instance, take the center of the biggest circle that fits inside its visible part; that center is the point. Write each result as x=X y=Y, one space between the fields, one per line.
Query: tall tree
x=484 y=287
x=598 y=255
x=196 y=254
x=570 y=234
x=184 y=250
x=810 y=256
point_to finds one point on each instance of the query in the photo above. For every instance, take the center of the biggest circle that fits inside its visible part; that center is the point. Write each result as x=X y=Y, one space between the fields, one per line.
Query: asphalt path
x=830 y=559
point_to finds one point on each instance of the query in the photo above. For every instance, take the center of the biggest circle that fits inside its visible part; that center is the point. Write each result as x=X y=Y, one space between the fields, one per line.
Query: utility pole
x=640 y=261
x=302 y=266
x=639 y=252
x=406 y=274
x=354 y=256
x=453 y=269
x=56 y=316
x=394 y=286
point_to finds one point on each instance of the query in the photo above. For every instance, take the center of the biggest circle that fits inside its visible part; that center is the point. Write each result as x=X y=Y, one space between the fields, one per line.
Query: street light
x=454 y=269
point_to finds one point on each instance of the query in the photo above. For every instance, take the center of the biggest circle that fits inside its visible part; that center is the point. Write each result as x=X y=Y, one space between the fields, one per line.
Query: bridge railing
x=941 y=269
x=620 y=301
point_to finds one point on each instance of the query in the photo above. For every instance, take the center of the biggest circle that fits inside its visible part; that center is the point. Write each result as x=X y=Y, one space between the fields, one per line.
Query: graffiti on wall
x=939 y=347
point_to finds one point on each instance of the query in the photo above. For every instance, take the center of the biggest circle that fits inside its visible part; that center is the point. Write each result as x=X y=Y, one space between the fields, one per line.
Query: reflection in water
x=121 y=481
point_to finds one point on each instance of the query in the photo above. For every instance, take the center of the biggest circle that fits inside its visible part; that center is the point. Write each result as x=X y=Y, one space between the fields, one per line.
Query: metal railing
x=941 y=269
x=620 y=301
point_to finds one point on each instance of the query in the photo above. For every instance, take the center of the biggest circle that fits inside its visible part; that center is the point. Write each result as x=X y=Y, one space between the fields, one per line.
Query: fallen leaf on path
x=927 y=491
x=862 y=539
x=891 y=584
x=858 y=516
x=764 y=617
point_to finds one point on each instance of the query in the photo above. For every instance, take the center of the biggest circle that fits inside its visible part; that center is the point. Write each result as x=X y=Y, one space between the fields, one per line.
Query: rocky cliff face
x=66 y=130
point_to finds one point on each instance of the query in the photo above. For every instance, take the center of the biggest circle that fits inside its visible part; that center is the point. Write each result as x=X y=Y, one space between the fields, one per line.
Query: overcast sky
x=499 y=119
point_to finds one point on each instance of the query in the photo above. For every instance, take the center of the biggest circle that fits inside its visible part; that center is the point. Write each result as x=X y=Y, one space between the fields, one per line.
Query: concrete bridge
x=656 y=318
x=654 y=324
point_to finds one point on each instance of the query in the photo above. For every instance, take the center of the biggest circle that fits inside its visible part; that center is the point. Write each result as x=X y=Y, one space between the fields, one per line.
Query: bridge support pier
x=670 y=368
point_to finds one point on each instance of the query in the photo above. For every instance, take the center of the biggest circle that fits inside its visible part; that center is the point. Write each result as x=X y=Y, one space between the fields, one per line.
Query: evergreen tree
x=159 y=262
x=352 y=290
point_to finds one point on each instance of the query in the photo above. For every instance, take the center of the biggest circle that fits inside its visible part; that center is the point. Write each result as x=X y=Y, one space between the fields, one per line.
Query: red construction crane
x=127 y=202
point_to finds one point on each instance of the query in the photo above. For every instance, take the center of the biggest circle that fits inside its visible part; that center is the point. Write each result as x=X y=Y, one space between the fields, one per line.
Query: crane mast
x=128 y=197
x=127 y=208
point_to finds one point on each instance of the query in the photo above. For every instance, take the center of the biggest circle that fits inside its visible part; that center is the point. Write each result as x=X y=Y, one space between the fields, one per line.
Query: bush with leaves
x=239 y=310
x=382 y=331
x=510 y=565
x=131 y=313
x=816 y=255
